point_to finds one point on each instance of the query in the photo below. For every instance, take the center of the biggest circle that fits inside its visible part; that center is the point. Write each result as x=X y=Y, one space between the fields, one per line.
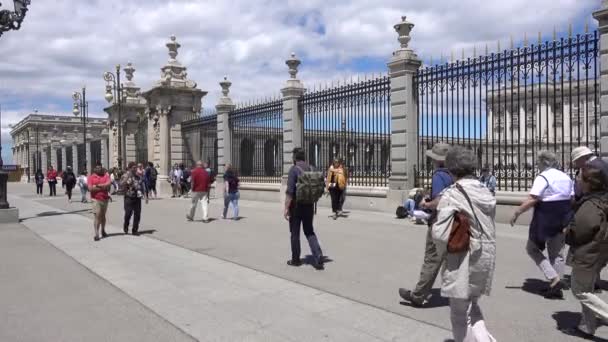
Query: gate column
x=601 y=16
x=224 y=133
x=404 y=111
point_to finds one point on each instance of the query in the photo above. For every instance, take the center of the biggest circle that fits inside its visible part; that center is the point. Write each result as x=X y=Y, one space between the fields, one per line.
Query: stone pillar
x=293 y=118
x=53 y=147
x=64 y=157
x=104 y=149
x=173 y=99
x=75 y=163
x=151 y=137
x=224 y=132
x=130 y=149
x=44 y=160
x=601 y=16
x=402 y=68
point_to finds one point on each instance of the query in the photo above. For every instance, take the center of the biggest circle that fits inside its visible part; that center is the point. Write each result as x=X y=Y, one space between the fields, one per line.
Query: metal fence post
x=402 y=68
x=224 y=134
x=601 y=16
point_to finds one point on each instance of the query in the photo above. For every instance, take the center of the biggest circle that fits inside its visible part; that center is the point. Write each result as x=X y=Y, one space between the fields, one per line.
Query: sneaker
x=206 y=221
x=135 y=232
x=126 y=230
x=409 y=297
x=104 y=234
x=96 y=238
x=189 y=218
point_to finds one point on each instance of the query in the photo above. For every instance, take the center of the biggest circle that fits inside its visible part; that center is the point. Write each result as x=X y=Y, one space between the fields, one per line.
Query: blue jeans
x=231 y=198
x=409 y=206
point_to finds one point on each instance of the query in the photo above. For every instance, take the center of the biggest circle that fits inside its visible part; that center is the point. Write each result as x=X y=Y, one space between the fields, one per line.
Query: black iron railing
x=508 y=106
x=351 y=122
x=257 y=142
x=200 y=140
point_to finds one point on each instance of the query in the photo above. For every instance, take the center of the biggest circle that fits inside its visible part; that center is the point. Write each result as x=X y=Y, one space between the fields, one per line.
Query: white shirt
x=559 y=187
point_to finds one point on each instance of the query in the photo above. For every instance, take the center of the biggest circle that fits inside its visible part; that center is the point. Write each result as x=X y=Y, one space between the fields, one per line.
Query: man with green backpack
x=304 y=188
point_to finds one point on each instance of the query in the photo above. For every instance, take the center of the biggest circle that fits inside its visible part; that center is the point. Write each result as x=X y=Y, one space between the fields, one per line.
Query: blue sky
x=65 y=44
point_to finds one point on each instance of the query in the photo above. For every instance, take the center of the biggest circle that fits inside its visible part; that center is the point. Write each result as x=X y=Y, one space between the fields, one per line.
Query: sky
x=64 y=45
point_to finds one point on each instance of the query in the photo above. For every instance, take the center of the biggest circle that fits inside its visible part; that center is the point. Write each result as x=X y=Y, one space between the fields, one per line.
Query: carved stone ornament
x=403 y=29
x=174 y=74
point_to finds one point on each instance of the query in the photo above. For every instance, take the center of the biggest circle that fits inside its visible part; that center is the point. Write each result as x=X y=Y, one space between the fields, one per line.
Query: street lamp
x=114 y=95
x=81 y=108
x=11 y=20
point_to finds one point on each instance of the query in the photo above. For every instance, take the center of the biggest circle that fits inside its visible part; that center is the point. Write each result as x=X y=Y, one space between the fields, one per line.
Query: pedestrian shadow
x=53 y=213
x=146 y=232
x=531 y=285
x=435 y=301
x=310 y=260
x=568 y=319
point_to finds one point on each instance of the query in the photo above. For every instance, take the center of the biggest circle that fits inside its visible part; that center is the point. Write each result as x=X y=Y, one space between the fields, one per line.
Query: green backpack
x=310 y=186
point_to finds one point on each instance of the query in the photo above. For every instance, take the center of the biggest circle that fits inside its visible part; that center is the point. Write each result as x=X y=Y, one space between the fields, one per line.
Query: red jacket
x=200 y=180
x=51 y=175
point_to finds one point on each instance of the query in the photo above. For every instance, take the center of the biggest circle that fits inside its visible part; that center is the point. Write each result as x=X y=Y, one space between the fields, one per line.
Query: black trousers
x=53 y=188
x=132 y=208
x=336 y=199
x=68 y=191
x=39 y=189
x=302 y=215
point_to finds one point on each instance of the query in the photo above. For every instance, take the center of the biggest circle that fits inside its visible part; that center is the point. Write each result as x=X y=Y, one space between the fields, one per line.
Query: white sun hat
x=580 y=152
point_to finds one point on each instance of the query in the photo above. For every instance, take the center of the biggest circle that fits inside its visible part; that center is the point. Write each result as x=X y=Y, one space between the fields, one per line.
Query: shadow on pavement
x=568 y=319
x=533 y=286
x=53 y=213
x=435 y=301
x=310 y=260
x=146 y=232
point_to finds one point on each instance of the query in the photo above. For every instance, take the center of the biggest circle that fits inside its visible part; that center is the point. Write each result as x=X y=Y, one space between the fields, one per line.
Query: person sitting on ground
x=587 y=236
x=414 y=208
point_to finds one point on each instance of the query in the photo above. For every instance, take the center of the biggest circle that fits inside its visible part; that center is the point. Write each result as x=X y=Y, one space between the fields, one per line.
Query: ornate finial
x=474 y=51
x=293 y=64
x=129 y=70
x=225 y=84
x=462 y=54
x=452 y=56
x=403 y=29
x=511 y=42
x=498 y=46
x=173 y=46
x=486 y=49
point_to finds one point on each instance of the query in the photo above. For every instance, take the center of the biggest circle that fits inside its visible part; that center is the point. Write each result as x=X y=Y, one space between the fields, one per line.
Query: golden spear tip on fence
x=452 y=56
x=498 y=45
x=462 y=54
x=474 y=50
x=486 y=49
x=554 y=33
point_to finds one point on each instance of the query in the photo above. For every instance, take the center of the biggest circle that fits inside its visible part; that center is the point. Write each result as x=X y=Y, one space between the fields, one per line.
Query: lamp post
x=114 y=95
x=11 y=20
x=81 y=108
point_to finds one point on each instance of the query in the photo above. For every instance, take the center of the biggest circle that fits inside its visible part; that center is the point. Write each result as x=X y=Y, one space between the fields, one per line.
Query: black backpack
x=401 y=212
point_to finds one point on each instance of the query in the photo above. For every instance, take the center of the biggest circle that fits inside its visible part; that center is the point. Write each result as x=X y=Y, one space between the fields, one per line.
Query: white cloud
x=64 y=44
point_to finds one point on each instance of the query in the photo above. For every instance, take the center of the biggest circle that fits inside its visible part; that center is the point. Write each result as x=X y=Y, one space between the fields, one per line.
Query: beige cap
x=438 y=152
x=580 y=152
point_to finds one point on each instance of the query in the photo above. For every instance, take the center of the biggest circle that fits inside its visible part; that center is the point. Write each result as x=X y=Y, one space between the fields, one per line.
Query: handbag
x=460 y=233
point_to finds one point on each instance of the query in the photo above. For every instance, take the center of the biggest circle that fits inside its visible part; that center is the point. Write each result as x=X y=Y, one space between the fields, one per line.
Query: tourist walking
x=469 y=267
x=39 y=179
x=68 y=181
x=83 y=185
x=131 y=185
x=150 y=177
x=488 y=179
x=99 y=183
x=231 y=193
x=336 y=185
x=582 y=156
x=200 y=192
x=51 y=178
x=550 y=197
x=587 y=236
x=304 y=188
x=175 y=178
x=432 y=259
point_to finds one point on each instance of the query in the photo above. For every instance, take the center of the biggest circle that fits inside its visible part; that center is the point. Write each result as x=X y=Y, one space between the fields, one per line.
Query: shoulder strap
x=546 y=180
x=461 y=189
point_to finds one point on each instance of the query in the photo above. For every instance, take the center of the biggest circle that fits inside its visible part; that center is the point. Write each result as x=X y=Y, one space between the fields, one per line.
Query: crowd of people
x=461 y=238
x=459 y=209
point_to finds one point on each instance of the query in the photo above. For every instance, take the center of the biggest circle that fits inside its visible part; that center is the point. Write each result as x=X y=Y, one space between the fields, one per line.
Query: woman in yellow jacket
x=336 y=184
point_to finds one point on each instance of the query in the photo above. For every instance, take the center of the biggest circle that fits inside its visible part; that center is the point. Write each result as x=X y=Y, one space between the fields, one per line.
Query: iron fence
x=200 y=140
x=257 y=142
x=508 y=106
x=351 y=122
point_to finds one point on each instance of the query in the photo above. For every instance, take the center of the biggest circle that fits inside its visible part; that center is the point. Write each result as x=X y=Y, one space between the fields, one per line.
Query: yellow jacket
x=339 y=177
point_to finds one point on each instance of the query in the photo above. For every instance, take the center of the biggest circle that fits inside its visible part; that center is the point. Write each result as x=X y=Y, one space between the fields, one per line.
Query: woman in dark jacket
x=39 y=178
x=587 y=236
x=231 y=192
x=68 y=180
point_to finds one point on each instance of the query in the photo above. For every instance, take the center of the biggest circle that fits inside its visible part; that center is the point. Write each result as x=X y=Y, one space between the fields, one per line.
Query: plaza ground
x=228 y=281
